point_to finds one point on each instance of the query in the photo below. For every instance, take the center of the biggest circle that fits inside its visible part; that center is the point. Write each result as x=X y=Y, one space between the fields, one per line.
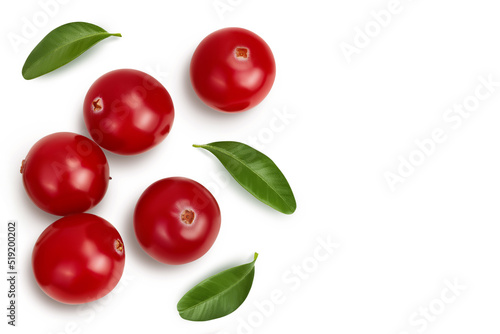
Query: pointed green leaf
x=218 y=295
x=61 y=46
x=255 y=172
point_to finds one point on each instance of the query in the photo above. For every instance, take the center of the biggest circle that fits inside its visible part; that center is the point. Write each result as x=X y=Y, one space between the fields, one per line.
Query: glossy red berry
x=232 y=70
x=78 y=259
x=176 y=220
x=65 y=173
x=128 y=111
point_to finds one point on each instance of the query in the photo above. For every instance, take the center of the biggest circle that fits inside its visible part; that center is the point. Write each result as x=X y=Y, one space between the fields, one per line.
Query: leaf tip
x=179 y=307
x=26 y=75
x=182 y=314
x=291 y=210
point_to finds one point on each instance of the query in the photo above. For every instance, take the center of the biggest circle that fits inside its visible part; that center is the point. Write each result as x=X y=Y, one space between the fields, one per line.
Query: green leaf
x=218 y=295
x=256 y=173
x=61 y=46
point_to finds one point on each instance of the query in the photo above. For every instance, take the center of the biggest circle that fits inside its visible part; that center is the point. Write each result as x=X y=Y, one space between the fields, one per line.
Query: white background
x=348 y=124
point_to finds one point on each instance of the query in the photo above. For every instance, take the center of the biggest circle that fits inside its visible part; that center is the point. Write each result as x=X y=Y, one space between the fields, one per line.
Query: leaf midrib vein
x=220 y=293
x=72 y=42
x=244 y=164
